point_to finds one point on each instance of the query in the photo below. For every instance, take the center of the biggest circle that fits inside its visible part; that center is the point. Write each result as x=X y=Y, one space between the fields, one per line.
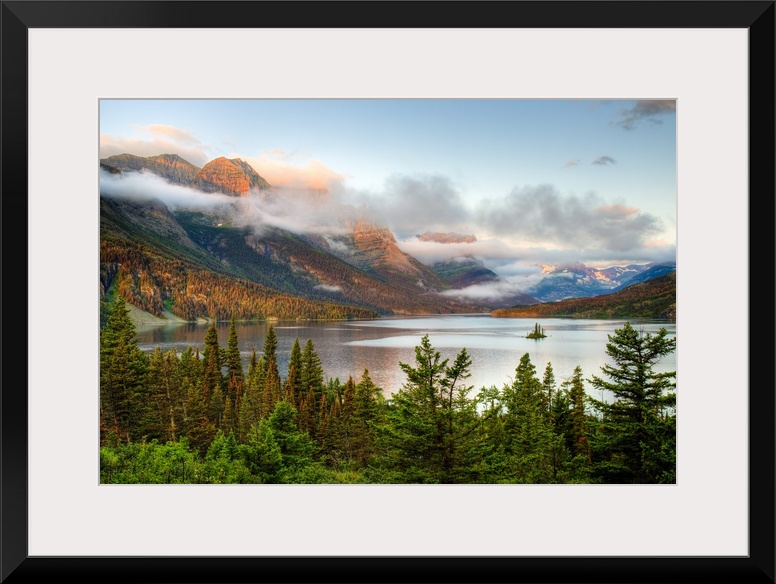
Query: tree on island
x=538 y=333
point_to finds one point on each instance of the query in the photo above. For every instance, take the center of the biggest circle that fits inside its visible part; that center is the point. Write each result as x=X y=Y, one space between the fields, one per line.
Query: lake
x=495 y=345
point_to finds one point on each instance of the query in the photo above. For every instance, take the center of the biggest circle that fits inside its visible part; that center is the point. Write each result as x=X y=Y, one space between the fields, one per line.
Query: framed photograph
x=336 y=109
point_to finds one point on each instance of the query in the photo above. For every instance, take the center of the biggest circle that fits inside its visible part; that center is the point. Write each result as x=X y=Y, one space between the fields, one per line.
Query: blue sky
x=537 y=181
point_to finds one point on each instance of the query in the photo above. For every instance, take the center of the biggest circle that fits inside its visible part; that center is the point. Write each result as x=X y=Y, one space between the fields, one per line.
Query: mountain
x=576 y=280
x=655 y=298
x=268 y=249
x=288 y=262
x=373 y=248
x=195 y=264
x=655 y=271
x=464 y=271
x=470 y=278
x=168 y=166
x=233 y=177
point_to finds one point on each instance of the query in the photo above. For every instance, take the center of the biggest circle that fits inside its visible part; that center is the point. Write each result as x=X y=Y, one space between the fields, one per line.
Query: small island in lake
x=538 y=333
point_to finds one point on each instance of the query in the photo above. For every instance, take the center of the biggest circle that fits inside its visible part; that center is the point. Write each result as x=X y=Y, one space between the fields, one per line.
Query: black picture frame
x=756 y=16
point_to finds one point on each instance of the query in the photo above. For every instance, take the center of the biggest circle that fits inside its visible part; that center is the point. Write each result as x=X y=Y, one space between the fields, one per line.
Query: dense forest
x=191 y=417
x=155 y=284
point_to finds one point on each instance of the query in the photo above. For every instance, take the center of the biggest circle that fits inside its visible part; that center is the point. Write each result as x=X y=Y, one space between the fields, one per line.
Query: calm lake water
x=495 y=344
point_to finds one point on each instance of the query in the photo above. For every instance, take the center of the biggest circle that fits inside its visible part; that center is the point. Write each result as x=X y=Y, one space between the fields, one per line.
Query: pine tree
x=548 y=383
x=270 y=347
x=292 y=389
x=295 y=445
x=578 y=419
x=527 y=426
x=271 y=393
x=269 y=374
x=636 y=439
x=123 y=369
x=430 y=419
x=367 y=413
x=250 y=404
x=308 y=414
x=312 y=371
x=212 y=377
x=331 y=434
x=346 y=411
x=197 y=426
x=233 y=358
x=164 y=395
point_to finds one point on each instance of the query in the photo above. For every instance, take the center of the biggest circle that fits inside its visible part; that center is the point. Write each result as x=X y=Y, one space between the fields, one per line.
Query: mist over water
x=495 y=344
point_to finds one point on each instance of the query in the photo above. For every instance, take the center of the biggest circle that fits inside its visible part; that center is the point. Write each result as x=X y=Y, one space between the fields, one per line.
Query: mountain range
x=654 y=299
x=576 y=280
x=214 y=260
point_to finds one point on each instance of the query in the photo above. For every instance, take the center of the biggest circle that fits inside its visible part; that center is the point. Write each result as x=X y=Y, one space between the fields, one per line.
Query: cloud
x=648 y=110
x=542 y=215
x=328 y=288
x=516 y=233
x=177 y=135
x=337 y=246
x=158 y=139
x=571 y=162
x=489 y=291
x=146 y=186
x=414 y=204
x=256 y=211
x=604 y=160
x=429 y=252
x=279 y=169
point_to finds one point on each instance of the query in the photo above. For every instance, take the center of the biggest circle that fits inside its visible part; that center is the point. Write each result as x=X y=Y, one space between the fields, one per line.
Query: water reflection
x=495 y=344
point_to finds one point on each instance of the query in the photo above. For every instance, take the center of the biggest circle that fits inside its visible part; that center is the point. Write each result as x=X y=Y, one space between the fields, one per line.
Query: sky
x=538 y=182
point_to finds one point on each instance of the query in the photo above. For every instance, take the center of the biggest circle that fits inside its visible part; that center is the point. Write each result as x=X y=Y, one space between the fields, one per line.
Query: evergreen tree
x=462 y=437
x=198 y=428
x=212 y=377
x=271 y=392
x=367 y=413
x=123 y=369
x=636 y=439
x=578 y=421
x=308 y=414
x=292 y=389
x=331 y=434
x=234 y=371
x=295 y=445
x=165 y=397
x=527 y=427
x=270 y=348
x=250 y=405
x=233 y=359
x=224 y=463
x=261 y=453
x=312 y=370
x=337 y=440
x=271 y=388
x=430 y=419
x=548 y=383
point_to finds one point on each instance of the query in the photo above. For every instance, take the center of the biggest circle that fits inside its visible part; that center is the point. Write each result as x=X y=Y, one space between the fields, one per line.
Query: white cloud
x=158 y=139
x=328 y=288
